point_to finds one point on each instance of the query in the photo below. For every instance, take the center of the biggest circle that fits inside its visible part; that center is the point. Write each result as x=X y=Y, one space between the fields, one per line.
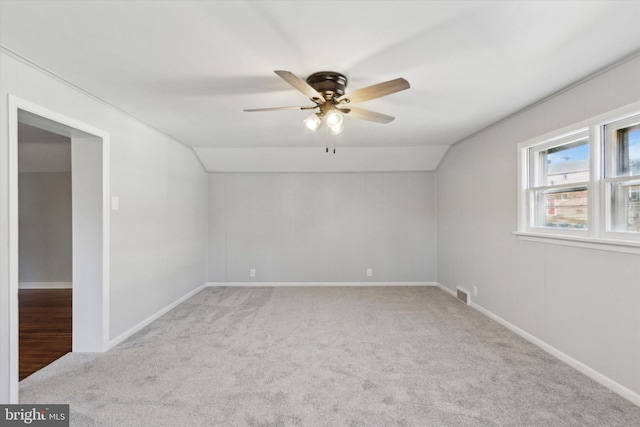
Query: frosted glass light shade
x=313 y=122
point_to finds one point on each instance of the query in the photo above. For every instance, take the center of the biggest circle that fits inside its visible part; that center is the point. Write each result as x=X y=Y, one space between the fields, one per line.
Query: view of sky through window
x=634 y=145
x=577 y=152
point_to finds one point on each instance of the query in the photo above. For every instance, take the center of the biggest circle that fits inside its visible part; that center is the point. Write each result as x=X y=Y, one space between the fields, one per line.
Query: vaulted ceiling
x=189 y=68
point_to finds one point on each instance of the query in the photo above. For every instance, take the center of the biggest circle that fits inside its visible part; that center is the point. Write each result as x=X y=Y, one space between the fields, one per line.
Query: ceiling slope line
x=555 y=94
x=60 y=79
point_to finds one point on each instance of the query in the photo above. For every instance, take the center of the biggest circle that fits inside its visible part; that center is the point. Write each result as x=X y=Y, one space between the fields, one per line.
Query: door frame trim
x=102 y=329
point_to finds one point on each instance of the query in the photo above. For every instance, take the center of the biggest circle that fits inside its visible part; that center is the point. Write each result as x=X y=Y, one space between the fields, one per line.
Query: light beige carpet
x=329 y=356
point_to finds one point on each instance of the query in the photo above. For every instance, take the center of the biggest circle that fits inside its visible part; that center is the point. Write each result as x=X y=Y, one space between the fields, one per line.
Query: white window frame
x=534 y=172
x=610 y=178
x=598 y=235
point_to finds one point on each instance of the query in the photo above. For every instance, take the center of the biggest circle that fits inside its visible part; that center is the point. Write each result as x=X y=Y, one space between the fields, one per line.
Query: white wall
x=583 y=302
x=158 y=237
x=45 y=227
x=322 y=227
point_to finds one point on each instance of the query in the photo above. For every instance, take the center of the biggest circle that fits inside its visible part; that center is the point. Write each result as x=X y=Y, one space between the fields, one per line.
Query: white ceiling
x=189 y=68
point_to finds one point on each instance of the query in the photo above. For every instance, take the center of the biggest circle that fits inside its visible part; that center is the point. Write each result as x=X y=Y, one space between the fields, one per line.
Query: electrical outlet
x=475 y=291
x=369 y=272
x=252 y=272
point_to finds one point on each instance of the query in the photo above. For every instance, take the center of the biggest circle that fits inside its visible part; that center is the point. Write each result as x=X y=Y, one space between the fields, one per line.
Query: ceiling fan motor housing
x=327 y=90
x=329 y=83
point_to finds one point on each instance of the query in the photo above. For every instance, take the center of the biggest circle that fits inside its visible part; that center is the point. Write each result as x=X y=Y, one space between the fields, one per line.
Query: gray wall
x=158 y=237
x=45 y=227
x=325 y=227
x=583 y=302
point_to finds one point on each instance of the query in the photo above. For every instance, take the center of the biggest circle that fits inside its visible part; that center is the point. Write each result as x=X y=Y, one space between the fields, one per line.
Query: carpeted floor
x=325 y=356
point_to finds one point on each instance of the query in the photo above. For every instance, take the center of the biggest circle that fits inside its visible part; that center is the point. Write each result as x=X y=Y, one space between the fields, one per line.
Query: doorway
x=90 y=229
x=45 y=248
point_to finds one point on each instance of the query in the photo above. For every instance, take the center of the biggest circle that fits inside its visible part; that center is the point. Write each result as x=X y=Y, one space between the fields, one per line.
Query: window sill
x=625 y=246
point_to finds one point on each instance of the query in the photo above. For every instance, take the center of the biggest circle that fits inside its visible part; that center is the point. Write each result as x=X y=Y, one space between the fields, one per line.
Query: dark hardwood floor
x=45 y=327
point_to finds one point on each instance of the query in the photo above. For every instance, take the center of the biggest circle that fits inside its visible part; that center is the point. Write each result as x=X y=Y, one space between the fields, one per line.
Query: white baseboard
x=447 y=290
x=45 y=285
x=284 y=284
x=153 y=317
x=579 y=366
x=171 y=306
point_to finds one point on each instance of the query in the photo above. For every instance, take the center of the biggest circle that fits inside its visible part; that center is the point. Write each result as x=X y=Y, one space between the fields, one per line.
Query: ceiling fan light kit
x=327 y=89
x=313 y=122
x=335 y=121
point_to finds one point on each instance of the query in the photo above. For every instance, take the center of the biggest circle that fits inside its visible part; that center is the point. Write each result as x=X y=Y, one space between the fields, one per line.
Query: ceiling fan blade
x=361 y=113
x=301 y=85
x=251 y=110
x=375 y=91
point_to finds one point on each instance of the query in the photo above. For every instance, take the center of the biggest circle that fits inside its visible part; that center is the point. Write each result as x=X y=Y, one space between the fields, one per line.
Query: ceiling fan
x=327 y=90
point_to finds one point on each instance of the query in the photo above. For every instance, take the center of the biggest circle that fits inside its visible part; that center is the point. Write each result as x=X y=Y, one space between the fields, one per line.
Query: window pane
x=562 y=209
x=625 y=207
x=628 y=151
x=565 y=164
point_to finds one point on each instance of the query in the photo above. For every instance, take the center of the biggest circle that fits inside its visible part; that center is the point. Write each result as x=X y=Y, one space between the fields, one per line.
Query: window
x=582 y=183
x=622 y=175
x=559 y=176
